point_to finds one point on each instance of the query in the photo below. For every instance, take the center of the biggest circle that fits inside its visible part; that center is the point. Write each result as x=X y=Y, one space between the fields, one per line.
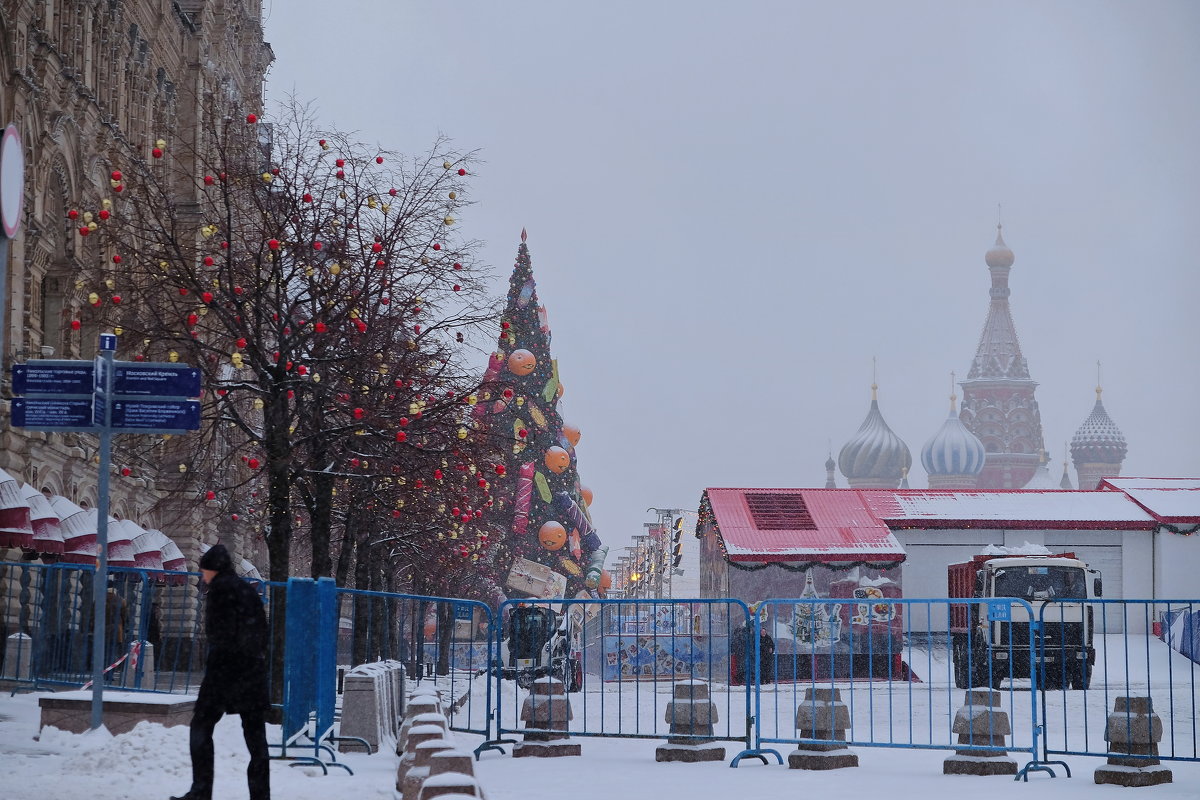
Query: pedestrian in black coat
x=235 y=675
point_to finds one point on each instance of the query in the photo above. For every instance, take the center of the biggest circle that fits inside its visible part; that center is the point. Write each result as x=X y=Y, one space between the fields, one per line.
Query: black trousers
x=254 y=730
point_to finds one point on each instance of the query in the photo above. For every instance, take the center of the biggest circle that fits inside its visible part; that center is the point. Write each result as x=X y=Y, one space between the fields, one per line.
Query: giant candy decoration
x=524 y=498
x=569 y=510
x=595 y=568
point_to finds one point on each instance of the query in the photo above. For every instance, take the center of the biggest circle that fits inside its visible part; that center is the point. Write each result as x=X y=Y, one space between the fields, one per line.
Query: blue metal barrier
x=439 y=640
x=619 y=660
x=1132 y=656
x=895 y=665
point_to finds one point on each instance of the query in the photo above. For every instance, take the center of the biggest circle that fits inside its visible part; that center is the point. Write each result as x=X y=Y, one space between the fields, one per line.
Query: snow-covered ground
x=152 y=761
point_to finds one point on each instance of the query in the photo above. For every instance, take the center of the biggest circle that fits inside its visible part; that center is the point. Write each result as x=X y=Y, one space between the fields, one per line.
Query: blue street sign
x=52 y=377
x=108 y=341
x=462 y=611
x=155 y=380
x=45 y=414
x=154 y=416
x=999 y=611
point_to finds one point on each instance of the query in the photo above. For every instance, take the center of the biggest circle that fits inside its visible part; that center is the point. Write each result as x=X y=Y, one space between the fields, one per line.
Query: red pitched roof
x=1015 y=509
x=829 y=525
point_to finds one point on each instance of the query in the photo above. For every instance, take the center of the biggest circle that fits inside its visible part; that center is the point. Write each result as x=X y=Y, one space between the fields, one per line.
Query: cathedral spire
x=998 y=403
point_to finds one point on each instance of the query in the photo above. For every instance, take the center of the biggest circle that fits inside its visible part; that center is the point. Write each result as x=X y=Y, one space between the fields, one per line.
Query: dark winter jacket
x=235 y=674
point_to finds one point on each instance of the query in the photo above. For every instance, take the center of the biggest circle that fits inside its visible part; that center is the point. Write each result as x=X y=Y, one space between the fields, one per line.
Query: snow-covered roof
x=1173 y=500
x=1035 y=510
x=828 y=525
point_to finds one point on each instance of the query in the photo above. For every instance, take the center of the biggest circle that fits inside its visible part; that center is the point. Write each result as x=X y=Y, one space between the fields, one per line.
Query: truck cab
x=988 y=647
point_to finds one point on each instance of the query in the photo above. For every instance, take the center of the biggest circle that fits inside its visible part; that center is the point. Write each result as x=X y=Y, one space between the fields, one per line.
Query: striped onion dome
x=953 y=450
x=1098 y=439
x=875 y=457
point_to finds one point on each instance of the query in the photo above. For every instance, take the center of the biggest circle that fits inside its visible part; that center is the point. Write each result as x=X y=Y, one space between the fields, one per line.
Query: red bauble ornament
x=252 y=463
x=457 y=265
x=238 y=290
x=234 y=517
x=358 y=413
x=319 y=327
x=378 y=159
x=75 y=325
x=84 y=231
x=504 y=326
x=209 y=180
x=392 y=192
x=103 y=213
x=156 y=152
x=461 y=171
x=385 y=300
x=457 y=288
x=377 y=247
x=120 y=187
x=125 y=471
x=182 y=292
x=273 y=244
x=401 y=436
x=116 y=298
x=404 y=422
x=341 y=173
x=437 y=245
x=210 y=495
x=317 y=245
x=241 y=342
x=72 y=214
x=192 y=319
x=207 y=297
x=500 y=469
x=307 y=197
x=251 y=119
x=115 y=175
x=208 y=261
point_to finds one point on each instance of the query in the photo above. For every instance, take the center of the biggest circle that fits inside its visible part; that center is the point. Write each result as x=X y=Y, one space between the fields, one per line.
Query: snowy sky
x=733 y=207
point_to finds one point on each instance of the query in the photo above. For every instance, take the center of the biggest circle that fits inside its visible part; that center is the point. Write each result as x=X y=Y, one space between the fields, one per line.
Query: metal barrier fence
x=883 y=673
x=1134 y=651
x=154 y=627
x=619 y=661
x=442 y=641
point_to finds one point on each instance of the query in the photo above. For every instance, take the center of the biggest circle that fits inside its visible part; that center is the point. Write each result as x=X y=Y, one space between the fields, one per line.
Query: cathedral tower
x=875 y=458
x=998 y=403
x=1098 y=447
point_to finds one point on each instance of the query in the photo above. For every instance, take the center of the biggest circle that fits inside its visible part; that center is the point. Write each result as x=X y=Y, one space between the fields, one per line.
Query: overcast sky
x=732 y=207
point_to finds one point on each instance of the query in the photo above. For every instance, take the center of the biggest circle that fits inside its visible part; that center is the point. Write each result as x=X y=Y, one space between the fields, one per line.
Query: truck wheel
x=958 y=652
x=1053 y=677
x=1081 y=675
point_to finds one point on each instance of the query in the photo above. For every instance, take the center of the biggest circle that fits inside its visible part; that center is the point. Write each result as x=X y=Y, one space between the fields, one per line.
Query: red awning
x=121 y=535
x=147 y=549
x=16 y=529
x=47 y=535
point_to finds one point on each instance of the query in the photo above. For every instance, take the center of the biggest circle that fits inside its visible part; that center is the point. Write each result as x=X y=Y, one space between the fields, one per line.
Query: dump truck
x=990 y=642
x=540 y=642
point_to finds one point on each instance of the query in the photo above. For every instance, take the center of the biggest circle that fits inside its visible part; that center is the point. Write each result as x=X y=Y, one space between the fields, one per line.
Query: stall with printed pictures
x=763 y=544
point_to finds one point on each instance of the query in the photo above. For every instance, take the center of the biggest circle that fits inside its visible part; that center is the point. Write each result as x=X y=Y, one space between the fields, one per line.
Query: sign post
x=104 y=397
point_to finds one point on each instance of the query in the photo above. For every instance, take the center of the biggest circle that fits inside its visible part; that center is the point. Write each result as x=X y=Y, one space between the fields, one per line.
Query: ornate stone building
x=998 y=405
x=89 y=83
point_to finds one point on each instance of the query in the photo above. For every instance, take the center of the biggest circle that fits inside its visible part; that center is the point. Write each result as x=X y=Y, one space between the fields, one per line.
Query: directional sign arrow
x=50 y=414
x=52 y=377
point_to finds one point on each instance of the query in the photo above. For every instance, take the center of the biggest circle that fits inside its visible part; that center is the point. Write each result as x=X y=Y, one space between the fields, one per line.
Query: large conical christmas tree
x=547 y=544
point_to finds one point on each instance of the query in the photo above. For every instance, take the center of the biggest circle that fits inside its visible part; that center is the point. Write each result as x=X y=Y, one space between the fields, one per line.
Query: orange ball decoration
x=557 y=459
x=552 y=535
x=521 y=362
x=605 y=581
x=572 y=434
x=586 y=494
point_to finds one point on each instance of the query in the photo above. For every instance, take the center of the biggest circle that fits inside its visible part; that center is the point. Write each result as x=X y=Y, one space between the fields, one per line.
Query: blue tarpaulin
x=1181 y=631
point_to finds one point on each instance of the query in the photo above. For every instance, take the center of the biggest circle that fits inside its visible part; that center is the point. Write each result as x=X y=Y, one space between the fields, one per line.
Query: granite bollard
x=1133 y=732
x=822 y=715
x=690 y=714
x=980 y=723
x=546 y=712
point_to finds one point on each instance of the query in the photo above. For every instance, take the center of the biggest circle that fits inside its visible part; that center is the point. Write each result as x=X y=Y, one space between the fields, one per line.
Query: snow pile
x=1026 y=549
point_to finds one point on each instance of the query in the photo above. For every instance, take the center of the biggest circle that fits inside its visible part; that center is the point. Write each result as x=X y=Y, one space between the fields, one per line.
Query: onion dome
x=830 y=466
x=999 y=255
x=875 y=458
x=953 y=450
x=1098 y=439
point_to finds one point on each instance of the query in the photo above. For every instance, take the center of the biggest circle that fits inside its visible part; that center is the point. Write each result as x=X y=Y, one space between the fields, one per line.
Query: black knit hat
x=217 y=559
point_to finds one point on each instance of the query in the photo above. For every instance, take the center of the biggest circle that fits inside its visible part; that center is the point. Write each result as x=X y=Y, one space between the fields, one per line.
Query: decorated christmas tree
x=546 y=544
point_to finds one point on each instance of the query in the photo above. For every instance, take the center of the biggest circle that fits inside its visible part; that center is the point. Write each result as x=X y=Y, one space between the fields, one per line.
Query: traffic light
x=677 y=542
